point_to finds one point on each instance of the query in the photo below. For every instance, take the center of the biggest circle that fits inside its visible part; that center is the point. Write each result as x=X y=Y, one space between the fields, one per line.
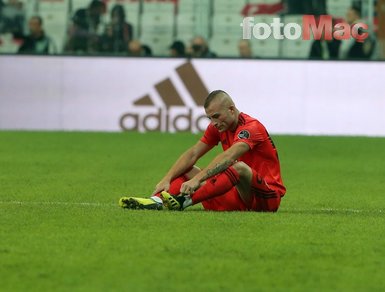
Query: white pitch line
x=331 y=210
x=57 y=203
x=90 y=204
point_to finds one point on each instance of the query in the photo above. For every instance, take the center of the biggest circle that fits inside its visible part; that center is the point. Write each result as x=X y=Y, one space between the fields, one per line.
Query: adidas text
x=164 y=120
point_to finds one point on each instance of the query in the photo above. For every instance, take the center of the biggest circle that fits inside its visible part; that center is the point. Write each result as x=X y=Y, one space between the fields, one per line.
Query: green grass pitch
x=62 y=230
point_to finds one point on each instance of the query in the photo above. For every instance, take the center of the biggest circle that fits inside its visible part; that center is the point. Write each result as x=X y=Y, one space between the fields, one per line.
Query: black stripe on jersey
x=266 y=196
x=262 y=191
x=241 y=120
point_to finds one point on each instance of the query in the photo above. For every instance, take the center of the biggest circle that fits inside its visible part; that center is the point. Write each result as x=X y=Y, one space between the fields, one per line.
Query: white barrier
x=114 y=94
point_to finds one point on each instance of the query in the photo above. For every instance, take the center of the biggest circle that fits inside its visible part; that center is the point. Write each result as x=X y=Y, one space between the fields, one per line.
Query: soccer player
x=246 y=176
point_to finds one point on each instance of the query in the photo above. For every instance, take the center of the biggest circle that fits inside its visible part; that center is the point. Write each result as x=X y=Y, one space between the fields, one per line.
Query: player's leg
x=176 y=183
x=253 y=193
x=230 y=201
x=238 y=175
x=253 y=190
x=264 y=197
x=244 y=185
x=154 y=202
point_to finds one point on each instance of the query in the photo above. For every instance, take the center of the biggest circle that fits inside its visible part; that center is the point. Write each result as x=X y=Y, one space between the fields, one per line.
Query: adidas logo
x=175 y=115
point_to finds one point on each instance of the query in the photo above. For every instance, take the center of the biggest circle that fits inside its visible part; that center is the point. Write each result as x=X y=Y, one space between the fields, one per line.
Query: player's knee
x=242 y=168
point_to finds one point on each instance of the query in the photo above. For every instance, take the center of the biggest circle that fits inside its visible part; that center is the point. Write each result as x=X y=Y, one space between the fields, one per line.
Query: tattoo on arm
x=220 y=167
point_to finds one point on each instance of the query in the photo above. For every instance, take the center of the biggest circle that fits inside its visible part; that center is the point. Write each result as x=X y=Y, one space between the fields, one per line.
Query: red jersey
x=262 y=156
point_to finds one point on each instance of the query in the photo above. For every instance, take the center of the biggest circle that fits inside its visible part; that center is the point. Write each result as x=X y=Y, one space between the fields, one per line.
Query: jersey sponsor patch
x=244 y=134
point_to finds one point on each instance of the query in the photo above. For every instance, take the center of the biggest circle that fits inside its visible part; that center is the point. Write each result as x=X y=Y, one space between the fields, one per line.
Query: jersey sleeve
x=211 y=136
x=252 y=134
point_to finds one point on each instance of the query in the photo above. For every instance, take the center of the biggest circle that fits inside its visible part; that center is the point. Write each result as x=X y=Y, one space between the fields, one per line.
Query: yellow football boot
x=139 y=203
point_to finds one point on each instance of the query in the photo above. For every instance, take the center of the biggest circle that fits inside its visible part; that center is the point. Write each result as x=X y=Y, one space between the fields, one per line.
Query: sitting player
x=246 y=176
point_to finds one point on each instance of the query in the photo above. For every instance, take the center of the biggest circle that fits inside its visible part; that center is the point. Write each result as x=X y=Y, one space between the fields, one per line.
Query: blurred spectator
x=83 y=33
x=352 y=49
x=106 y=40
x=136 y=49
x=1 y=16
x=244 y=48
x=177 y=49
x=325 y=49
x=200 y=48
x=146 y=50
x=117 y=33
x=37 y=42
x=12 y=18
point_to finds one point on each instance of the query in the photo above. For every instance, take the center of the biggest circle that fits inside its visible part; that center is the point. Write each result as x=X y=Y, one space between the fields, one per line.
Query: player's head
x=221 y=110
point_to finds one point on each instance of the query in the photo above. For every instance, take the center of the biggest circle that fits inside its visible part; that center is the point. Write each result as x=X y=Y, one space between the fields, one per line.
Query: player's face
x=221 y=116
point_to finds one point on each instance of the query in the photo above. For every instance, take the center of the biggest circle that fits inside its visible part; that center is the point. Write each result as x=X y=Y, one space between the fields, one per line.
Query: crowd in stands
x=347 y=49
x=12 y=17
x=88 y=34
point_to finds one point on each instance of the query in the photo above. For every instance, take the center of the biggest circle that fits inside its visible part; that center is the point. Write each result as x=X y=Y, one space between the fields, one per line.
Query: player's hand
x=163 y=185
x=189 y=186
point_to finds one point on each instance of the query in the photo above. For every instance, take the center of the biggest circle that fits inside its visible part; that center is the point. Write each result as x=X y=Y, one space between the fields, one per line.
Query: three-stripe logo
x=191 y=120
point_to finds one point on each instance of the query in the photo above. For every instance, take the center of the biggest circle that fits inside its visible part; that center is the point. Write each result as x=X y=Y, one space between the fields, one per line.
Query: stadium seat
x=338 y=8
x=30 y=8
x=299 y=48
x=55 y=16
x=158 y=41
x=8 y=44
x=55 y=24
x=269 y=48
x=191 y=24
x=185 y=34
x=224 y=46
x=53 y=6
x=228 y=6
x=227 y=24
x=158 y=7
x=193 y=18
x=185 y=19
x=157 y=26
x=157 y=19
x=186 y=6
x=78 y=4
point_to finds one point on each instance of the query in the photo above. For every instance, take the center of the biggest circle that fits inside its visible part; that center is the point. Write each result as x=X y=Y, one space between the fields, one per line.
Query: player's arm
x=183 y=164
x=219 y=164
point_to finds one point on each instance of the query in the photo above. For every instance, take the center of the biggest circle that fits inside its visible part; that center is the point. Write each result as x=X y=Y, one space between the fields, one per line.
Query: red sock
x=216 y=186
x=175 y=185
